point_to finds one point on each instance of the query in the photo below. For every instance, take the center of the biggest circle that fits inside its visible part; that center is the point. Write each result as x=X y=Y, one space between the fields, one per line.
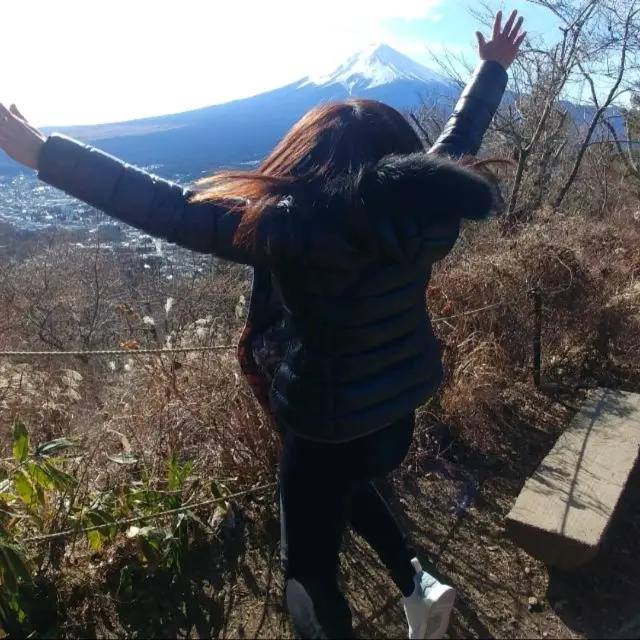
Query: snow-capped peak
x=376 y=65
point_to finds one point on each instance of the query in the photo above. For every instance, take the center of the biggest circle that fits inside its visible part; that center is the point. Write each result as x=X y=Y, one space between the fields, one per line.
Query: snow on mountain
x=374 y=66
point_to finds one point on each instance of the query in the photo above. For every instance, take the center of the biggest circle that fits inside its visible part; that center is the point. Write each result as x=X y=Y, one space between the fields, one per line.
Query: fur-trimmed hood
x=426 y=185
x=396 y=208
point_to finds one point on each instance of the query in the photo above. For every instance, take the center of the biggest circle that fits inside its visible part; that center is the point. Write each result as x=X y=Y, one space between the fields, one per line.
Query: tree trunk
x=517 y=183
x=578 y=162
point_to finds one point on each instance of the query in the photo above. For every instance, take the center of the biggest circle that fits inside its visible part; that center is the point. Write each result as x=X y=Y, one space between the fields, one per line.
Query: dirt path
x=495 y=580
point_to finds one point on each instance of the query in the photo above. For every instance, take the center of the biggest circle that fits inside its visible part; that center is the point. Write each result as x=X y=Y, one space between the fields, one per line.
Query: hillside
x=136 y=435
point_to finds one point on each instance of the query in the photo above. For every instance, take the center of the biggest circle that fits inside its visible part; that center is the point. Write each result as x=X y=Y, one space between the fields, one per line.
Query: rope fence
x=115 y=352
x=151 y=516
x=226 y=347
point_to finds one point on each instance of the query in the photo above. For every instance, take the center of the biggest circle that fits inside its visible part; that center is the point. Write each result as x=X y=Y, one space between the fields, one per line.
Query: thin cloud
x=109 y=61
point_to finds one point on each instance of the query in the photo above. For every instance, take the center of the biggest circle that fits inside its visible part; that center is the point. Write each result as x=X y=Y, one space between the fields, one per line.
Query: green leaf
x=40 y=476
x=20 y=442
x=18 y=563
x=145 y=499
x=11 y=602
x=24 y=487
x=18 y=611
x=101 y=499
x=98 y=537
x=98 y=518
x=177 y=473
x=62 y=481
x=47 y=476
x=13 y=567
x=150 y=541
x=95 y=539
x=49 y=448
x=124 y=458
x=215 y=490
x=173 y=555
x=173 y=481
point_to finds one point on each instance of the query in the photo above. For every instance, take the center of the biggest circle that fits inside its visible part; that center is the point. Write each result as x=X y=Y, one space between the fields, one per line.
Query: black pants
x=324 y=488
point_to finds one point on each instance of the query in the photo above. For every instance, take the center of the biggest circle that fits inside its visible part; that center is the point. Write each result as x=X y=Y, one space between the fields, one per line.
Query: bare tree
x=611 y=53
x=596 y=46
x=628 y=148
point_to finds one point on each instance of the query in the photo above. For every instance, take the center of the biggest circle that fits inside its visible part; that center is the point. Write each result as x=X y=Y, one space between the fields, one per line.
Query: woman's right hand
x=504 y=45
x=18 y=139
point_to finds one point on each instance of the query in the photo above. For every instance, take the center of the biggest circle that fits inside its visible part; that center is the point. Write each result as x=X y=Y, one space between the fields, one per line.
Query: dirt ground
x=454 y=510
x=494 y=579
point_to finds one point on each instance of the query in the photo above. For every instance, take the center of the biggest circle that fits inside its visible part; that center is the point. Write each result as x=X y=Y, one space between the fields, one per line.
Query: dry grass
x=586 y=272
x=198 y=408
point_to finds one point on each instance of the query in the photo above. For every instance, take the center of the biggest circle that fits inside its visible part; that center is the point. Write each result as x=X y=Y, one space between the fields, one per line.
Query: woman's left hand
x=18 y=139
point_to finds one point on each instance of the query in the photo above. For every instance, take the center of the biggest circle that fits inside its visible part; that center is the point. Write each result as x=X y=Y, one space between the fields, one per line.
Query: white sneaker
x=429 y=607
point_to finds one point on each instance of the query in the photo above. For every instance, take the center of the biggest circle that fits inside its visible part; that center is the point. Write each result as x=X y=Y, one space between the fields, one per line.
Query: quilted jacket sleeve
x=147 y=202
x=474 y=112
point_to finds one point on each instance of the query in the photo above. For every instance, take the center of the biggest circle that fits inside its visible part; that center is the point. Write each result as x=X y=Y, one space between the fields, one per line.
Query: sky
x=92 y=61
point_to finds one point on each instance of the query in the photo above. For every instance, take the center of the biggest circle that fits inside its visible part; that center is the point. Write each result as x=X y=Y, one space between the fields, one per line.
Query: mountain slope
x=243 y=131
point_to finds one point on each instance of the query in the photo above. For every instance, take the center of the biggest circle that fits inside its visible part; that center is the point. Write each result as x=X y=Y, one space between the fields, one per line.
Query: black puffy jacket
x=362 y=352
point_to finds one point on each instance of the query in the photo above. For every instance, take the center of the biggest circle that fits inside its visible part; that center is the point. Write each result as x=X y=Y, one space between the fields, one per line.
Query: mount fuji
x=244 y=131
x=375 y=66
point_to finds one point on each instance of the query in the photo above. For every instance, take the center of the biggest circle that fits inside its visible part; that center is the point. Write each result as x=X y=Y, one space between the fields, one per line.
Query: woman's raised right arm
x=465 y=129
x=147 y=202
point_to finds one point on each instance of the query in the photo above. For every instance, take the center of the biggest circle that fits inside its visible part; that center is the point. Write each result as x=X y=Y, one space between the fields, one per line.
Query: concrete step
x=566 y=507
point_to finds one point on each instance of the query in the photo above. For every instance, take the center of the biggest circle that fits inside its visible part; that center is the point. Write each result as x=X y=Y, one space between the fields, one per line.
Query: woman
x=342 y=224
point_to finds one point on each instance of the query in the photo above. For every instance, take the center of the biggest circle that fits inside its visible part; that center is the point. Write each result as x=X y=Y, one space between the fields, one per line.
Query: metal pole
x=537 y=336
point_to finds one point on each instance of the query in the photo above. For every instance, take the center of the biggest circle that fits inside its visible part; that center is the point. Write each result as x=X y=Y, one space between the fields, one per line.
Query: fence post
x=537 y=335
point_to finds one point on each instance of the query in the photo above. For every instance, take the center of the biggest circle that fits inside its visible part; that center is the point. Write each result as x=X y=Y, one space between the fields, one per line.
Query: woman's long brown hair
x=330 y=141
